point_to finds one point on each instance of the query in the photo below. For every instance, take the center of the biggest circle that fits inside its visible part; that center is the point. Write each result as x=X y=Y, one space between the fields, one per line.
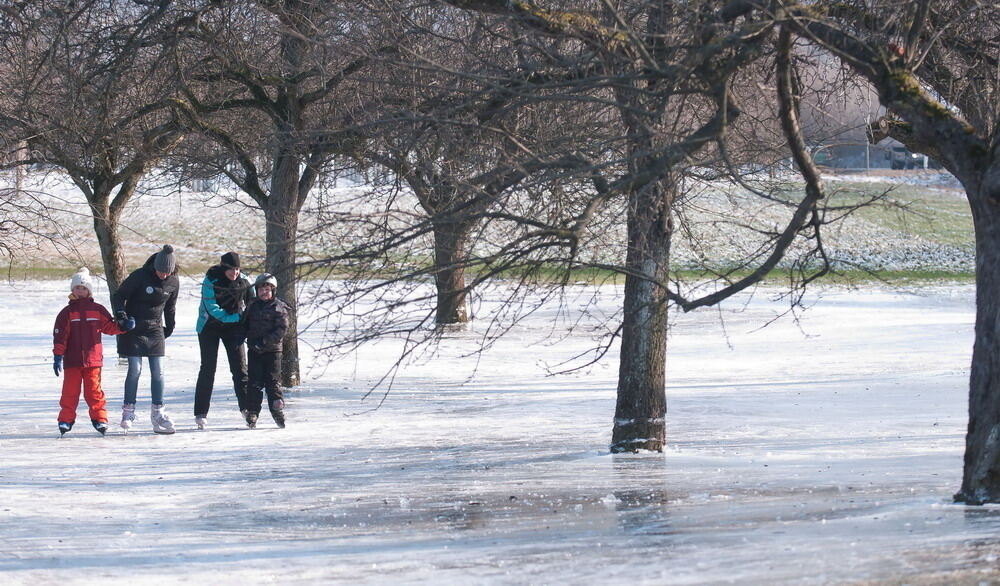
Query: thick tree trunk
x=109 y=241
x=450 y=240
x=642 y=404
x=282 y=216
x=981 y=478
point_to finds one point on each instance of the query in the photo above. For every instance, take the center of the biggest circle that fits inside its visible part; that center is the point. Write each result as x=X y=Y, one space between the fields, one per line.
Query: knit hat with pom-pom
x=82 y=277
x=165 y=261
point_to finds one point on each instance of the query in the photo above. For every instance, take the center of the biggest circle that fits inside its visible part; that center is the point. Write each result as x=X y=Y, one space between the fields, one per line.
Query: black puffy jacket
x=143 y=296
x=266 y=323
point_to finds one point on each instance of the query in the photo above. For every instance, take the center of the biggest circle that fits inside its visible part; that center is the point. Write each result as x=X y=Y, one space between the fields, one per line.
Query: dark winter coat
x=77 y=333
x=222 y=301
x=143 y=296
x=266 y=323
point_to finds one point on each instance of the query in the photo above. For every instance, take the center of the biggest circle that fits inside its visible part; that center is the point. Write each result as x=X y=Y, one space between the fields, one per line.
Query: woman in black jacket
x=149 y=295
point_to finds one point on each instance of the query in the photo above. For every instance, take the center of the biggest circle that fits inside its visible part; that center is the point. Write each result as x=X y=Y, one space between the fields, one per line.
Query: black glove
x=166 y=332
x=57 y=364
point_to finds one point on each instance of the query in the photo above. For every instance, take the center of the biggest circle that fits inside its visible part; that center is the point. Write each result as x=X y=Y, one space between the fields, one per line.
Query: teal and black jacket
x=222 y=301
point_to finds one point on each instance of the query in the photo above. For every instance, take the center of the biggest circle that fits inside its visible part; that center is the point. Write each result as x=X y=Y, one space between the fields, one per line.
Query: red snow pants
x=90 y=379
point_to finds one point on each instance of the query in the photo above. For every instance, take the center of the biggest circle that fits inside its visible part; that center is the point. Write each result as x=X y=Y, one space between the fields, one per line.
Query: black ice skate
x=64 y=427
x=101 y=426
x=279 y=417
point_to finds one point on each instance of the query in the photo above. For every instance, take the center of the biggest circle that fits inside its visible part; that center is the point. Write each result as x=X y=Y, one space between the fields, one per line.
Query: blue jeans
x=155 y=379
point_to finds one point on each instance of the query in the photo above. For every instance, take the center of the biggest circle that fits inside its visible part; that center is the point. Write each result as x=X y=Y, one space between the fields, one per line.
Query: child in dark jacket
x=78 y=351
x=265 y=323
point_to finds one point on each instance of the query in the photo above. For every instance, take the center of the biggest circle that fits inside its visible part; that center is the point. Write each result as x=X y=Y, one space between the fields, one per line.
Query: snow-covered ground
x=819 y=451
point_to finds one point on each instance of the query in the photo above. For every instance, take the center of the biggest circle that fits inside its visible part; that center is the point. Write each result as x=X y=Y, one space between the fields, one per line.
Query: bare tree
x=465 y=124
x=274 y=90
x=935 y=67
x=661 y=79
x=88 y=93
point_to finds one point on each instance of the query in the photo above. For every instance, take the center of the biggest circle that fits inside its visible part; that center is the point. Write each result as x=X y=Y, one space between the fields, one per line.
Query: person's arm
x=249 y=295
x=108 y=324
x=212 y=307
x=122 y=294
x=60 y=333
x=169 y=312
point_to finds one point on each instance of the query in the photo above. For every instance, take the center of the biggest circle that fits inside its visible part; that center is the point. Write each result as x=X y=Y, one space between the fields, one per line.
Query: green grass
x=912 y=212
x=931 y=214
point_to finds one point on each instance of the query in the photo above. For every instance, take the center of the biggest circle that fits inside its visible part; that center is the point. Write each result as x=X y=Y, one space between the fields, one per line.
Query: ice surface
x=823 y=450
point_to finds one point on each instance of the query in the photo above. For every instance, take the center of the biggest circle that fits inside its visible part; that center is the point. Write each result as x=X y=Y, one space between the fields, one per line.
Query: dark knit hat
x=165 y=261
x=231 y=260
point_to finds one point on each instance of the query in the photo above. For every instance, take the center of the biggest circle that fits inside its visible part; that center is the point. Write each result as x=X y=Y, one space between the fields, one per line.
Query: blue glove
x=124 y=321
x=57 y=364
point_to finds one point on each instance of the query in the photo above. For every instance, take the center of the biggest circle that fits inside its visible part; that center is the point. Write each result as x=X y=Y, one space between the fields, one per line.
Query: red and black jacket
x=77 y=333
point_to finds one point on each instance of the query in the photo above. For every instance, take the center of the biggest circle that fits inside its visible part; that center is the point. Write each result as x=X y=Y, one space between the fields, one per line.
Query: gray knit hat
x=165 y=261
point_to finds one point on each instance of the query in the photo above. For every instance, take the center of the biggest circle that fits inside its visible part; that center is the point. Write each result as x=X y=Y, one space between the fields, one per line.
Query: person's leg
x=70 y=398
x=255 y=384
x=131 y=390
x=272 y=372
x=208 y=343
x=158 y=414
x=275 y=398
x=94 y=394
x=237 y=355
x=132 y=379
x=156 y=382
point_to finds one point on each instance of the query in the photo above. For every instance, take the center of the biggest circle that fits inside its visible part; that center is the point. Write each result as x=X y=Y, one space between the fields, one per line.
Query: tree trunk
x=109 y=240
x=642 y=403
x=282 y=216
x=450 y=239
x=981 y=477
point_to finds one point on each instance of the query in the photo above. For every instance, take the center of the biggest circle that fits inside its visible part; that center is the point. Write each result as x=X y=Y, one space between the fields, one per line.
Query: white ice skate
x=161 y=421
x=201 y=421
x=128 y=417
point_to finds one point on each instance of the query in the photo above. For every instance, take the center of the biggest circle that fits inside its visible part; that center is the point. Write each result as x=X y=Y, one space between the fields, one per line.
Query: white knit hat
x=82 y=277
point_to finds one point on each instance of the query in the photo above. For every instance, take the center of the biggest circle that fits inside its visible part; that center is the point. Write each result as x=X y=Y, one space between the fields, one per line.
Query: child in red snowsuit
x=77 y=349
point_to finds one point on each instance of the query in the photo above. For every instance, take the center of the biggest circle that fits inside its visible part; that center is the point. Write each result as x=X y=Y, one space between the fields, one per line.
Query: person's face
x=161 y=275
x=265 y=292
x=81 y=291
x=232 y=274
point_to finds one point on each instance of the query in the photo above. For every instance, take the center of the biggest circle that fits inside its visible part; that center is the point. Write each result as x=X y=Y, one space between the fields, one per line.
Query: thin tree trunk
x=642 y=404
x=109 y=241
x=450 y=239
x=282 y=216
x=981 y=477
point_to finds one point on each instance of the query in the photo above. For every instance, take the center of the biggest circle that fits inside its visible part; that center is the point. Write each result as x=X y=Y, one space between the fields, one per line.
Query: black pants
x=208 y=342
x=265 y=367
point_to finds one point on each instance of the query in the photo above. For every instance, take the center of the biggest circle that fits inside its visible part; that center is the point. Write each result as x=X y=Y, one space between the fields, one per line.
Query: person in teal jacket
x=225 y=294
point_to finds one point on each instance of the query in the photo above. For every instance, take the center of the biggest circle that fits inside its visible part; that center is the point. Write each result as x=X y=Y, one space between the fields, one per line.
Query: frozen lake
x=823 y=450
